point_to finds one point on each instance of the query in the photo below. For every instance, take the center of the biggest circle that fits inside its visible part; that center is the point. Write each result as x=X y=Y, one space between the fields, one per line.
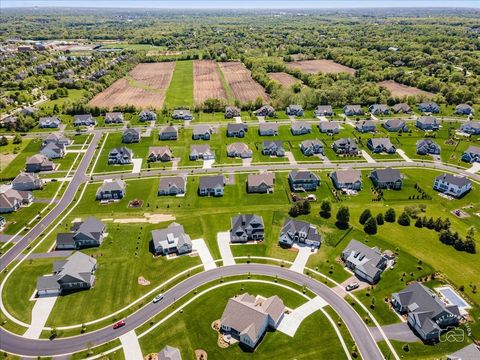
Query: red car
x=119 y=324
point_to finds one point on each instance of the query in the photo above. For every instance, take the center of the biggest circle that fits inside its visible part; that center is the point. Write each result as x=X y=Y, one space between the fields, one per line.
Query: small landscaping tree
x=370 y=226
x=404 y=219
x=380 y=220
x=325 y=209
x=419 y=223
x=343 y=217
x=3 y=141
x=390 y=215
x=366 y=214
x=17 y=139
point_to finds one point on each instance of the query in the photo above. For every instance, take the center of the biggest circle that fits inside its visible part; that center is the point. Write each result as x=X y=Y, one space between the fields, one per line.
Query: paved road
x=78 y=179
x=366 y=344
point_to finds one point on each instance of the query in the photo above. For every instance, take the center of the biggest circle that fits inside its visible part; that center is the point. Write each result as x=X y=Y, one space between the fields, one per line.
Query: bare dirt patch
x=284 y=79
x=135 y=203
x=201 y=354
x=240 y=81
x=207 y=83
x=163 y=53
x=154 y=75
x=400 y=90
x=149 y=218
x=323 y=66
x=142 y=281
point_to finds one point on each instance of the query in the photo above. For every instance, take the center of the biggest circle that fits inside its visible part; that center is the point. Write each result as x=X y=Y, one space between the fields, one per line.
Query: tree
x=404 y=219
x=343 y=217
x=419 y=223
x=380 y=220
x=325 y=209
x=390 y=215
x=469 y=246
x=3 y=141
x=366 y=214
x=370 y=226
x=17 y=139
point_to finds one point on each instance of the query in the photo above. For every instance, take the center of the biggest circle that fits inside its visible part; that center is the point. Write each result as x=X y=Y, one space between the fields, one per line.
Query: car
x=352 y=286
x=157 y=298
x=119 y=324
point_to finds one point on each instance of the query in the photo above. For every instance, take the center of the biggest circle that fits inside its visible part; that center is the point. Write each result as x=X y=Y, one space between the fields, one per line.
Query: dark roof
x=208 y=182
x=460 y=181
x=387 y=175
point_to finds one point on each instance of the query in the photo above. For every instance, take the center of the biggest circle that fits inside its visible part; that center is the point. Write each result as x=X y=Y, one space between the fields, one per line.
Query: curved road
x=27 y=347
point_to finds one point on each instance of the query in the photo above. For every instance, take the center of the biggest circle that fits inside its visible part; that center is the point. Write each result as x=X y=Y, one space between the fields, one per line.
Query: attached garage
x=48 y=286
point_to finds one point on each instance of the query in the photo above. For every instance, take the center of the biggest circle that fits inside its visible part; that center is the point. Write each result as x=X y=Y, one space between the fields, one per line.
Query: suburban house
x=273 y=148
x=395 y=125
x=294 y=110
x=26 y=182
x=8 y=121
x=120 y=156
x=247 y=318
x=77 y=272
x=201 y=152
x=427 y=146
x=379 y=109
x=264 y=111
x=169 y=353
x=367 y=263
x=111 y=189
x=147 y=115
x=463 y=109
x=378 y=145
x=114 y=118
x=429 y=107
x=323 y=110
x=201 y=132
x=49 y=122
x=159 y=153
x=89 y=233
x=84 y=120
x=347 y=179
x=427 y=315
x=173 y=239
x=52 y=150
x=296 y=231
x=231 y=112
x=239 y=149
x=260 y=183
x=365 y=126
x=303 y=180
x=172 y=185
x=168 y=133
x=428 y=123
x=130 y=136
x=401 y=108
x=387 y=178
x=471 y=127
x=329 y=127
x=312 y=147
x=345 y=146
x=469 y=352
x=268 y=129
x=37 y=163
x=246 y=227
x=57 y=139
x=352 y=110
x=11 y=200
x=452 y=185
x=472 y=154
x=237 y=130
x=182 y=114
x=300 y=128
x=211 y=185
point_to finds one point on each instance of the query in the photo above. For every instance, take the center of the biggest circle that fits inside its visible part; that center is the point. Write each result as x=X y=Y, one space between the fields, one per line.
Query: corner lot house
x=463 y=109
x=173 y=239
x=379 y=109
x=77 y=272
x=323 y=110
x=159 y=153
x=114 y=118
x=300 y=128
x=231 y=112
x=169 y=353
x=472 y=154
x=11 y=200
x=52 y=122
x=427 y=315
x=237 y=130
x=347 y=179
x=247 y=227
x=211 y=185
x=130 y=136
x=181 y=114
x=168 y=133
x=378 y=145
x=37 y=163
x=367 y=263
x=294 y=110
x=239 y=149
x=401 y=108
x=428 y=123
x=471 y=127
x=89 y=233
x=452 y=185
x=147 y=115
x=260 y=183
x=303 y=181
x=365 y=126
x=84 y=120
x=329 y=127
x=265 y=110
x=300 y=232
x=427 y=146
x=352 y=110
x=120 y=156
x=111 y=189
x=53 y=150
x=273 y=148
x=203 y=152
x=172 y=185
x=395 y=125
x=268 y=129
x=201 y=132
x=345 y=146
x=387 y=178
x=247 y=318
x=26 y=182
x=312 y=147
x=429 y=107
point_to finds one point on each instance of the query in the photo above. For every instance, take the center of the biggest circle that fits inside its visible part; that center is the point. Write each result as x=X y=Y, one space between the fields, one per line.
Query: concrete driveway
x=475 y=168
x=303 y=254
x=367 y=157
x=291 y=322
x=200 y=246
x=398 y=332
x=403 y=155
x=290 y=157
x=223 y=241
x=137 y=165
x=40 y=313
x=131 y=347
x=207 y=164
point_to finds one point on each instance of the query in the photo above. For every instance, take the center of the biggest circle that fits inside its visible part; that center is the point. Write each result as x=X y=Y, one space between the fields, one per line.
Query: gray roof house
x=351 y=110
x=379 y=109
x=300 y=128
x=130 y=136
x=427 y=315
x=303 y=180
x=239 y=149
x=347 y=179
x=471 y=127
x=329 y=127
x=247 y=319
x=201 y=132
x=312 y=147
x=427 y=146
x=231 y=112
x=88 y=233
x=428 y=123
x=246 y=227
x=77 y=272
x=469 y=352
x=211 y=185
x=201 y=152
x=147 y=115
x=401 y=108
x=299 y=232
x=472 y=154
x=237 y=130
x=26 y=182
x=53 y=150
x=49 y=122
x=169 y=353
x=173 y=239
x=273 y=148
x=111 y=190
x=387 y=178
x=168 y=133
x=265 y=110
x=345 y=146
x=452 y=185
x=268 y=129
x=260 y=183
x=11 y=200
x=367 y=263
x=182 y=114
x=378 y=145
x=429 y=107
x=395 y=125
x=114 y=118
x=84 y=120
x=159 y=153
x=37 y=163
x=323 y=110
x=172 y=185
x=57 y=139
x=294 y=110
x=463 y=109
x=365 y=126
x=120 y=156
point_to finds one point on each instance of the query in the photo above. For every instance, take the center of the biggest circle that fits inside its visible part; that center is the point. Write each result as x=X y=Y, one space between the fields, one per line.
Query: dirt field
x=207 y=83
x=243 y=87
x=283 y=79
x=400 y=90
x=316 y=66
x=154 y=75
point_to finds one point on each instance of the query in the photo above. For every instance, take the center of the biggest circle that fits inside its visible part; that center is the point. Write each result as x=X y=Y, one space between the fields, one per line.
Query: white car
x=352 y=286
x=157 y=298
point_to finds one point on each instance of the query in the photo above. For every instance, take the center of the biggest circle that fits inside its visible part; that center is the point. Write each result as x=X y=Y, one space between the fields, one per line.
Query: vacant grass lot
x=180 y=91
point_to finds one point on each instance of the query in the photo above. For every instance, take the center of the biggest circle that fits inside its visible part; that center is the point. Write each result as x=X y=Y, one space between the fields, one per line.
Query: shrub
x=380 y=220
x=390 y=215
x=370 y=226
x=343 y=217
x=404 y=219
x=366 y=214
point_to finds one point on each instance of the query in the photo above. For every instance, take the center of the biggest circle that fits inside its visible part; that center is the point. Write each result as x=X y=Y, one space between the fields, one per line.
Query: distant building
x=265 y=111
x=345 y=146
x=472 y=154
x=89 y=233
x=296 y=231
x=395 y=125
x=53 y=150
x=37 y=163
x=367 y=263
x=428 y=123
x=260 y=183
x=365 y=126
x=387 y=178
x=379 y=109
x=130 y=136
x=347 y=179
x=429 y=107
x=159 y=153
x=120 y=156
x=237 y=130
x=452 y=185
x=294 y=110
x=26 y=182
x=323 y=110
x=268 y=129
x=247 y=227
x=231 y=112
x=401 y=108
x=173 y=239
x=84 y=120
x=172 y=185
x=464 y=109
x=49 y=122
x=427 y=146
x=471 y=127
x=11 y=200
x=147 y=115
x=329 y=127
x=201 y=132
x=303 y=180
x=201 y=152
x=300 y=128
x=240 y=150
x=312 y=147
x=211 y=185
x=352 y=110
x=114 y=118
x=378 y=145
x=182 y=115
x=168 y=133
x=111 y=190
x=273 y=148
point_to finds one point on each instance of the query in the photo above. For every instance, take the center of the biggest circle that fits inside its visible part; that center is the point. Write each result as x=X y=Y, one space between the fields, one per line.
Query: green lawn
x=180 y=91
x=22 y=151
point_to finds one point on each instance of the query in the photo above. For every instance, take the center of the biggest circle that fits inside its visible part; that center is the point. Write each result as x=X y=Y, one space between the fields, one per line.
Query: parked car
x=157 y=298
x=352 y=286
x=119 y=324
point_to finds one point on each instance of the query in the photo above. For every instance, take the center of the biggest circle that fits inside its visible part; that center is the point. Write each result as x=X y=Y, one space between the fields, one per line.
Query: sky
x=244 y=4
